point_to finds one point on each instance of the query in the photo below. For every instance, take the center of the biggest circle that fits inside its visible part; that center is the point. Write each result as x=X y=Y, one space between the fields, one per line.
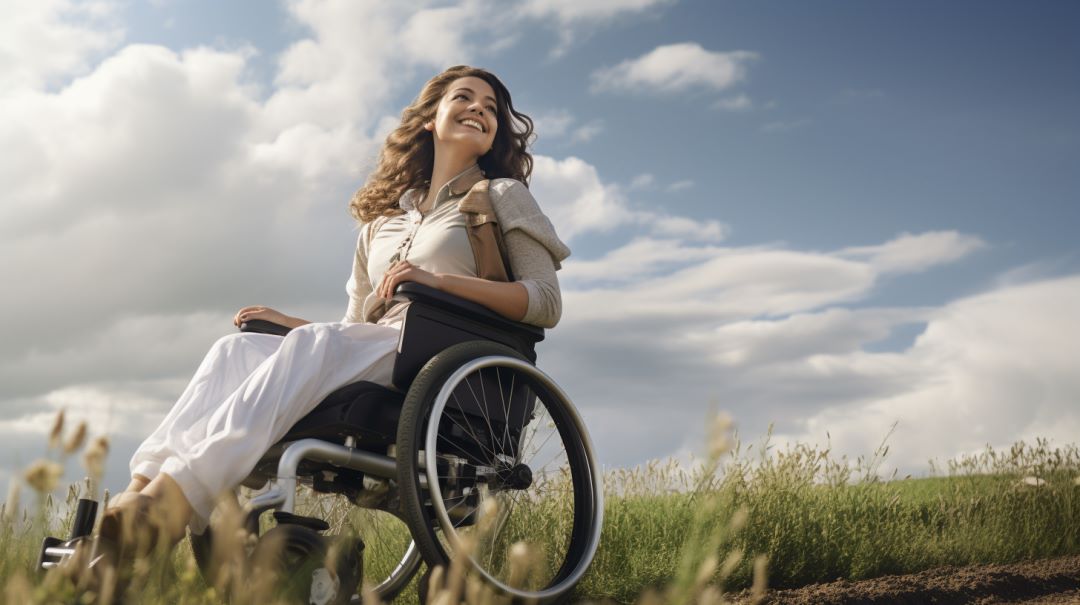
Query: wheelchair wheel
x=290 y=563
x=495 y=463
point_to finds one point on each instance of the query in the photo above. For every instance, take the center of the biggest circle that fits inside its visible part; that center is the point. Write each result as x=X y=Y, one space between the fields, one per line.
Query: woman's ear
x=429 y=125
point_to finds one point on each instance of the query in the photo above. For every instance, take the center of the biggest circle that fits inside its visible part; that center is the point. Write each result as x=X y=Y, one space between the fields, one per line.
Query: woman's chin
x=465 y=147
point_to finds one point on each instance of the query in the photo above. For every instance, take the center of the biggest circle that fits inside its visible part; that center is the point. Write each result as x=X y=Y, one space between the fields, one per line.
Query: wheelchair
x=472 y=453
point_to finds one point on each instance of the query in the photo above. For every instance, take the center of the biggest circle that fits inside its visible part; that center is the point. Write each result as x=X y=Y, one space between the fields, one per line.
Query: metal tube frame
x=282 y=492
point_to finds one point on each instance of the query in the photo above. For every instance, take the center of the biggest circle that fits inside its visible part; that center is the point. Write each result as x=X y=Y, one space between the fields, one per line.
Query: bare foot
x=138 y=483
x=170 y=503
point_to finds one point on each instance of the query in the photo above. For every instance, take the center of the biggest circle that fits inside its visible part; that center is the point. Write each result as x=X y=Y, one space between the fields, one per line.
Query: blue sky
x=826 y=216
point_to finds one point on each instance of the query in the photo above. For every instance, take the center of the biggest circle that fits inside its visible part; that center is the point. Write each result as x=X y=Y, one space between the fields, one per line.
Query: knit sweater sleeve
x=535 y=250
x=359 y=286
x=534 y=269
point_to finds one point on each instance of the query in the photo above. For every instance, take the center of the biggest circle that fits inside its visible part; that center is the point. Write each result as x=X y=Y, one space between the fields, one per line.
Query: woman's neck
x=446 y=167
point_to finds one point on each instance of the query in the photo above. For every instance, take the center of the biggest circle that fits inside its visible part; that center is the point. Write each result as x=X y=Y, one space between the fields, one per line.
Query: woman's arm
x=359 y=286
x=509 y=299
x=534 y=298
x=267 y=314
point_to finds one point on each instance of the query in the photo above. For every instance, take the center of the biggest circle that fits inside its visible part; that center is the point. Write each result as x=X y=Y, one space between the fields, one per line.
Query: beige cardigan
x=534 y=248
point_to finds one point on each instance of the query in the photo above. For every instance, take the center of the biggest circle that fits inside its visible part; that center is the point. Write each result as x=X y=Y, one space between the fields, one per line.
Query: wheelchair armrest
x=261 y=326
x=455 y=304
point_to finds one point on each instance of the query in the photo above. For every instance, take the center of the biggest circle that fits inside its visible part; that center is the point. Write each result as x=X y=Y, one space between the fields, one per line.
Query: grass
x=678 y=534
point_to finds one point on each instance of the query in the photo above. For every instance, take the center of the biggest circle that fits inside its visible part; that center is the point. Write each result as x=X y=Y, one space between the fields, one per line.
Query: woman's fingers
x=256 y=312
x=391 y=279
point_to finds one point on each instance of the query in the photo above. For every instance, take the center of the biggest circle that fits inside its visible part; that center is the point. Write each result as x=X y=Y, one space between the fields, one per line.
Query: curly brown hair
x=408 y=156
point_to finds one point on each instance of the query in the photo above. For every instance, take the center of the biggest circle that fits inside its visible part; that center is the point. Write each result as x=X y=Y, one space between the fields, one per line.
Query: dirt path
x=1046 y=582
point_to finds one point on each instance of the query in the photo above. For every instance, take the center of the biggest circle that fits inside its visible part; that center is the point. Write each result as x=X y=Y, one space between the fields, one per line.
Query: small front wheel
x=294 y=564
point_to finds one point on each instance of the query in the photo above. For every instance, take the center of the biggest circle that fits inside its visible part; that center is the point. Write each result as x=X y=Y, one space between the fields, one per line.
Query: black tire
x=290 y=562
x=387 y=584
x=384 y=534
x=497 y=454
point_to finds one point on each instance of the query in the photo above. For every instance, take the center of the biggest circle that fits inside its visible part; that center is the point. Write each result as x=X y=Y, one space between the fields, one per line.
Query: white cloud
x=338 y=76
x=991 y=369
x=682 y=227
x=635 y=260
x=552 y=123
x=561 y=124
x=587 y=132
x=910 y=253
x=569 y=11
x=668 y=329
x=42 y=41
x=681 y=185
x=642 y=181
x=737 y=103
x=674 y=68
x=573 y=17
x=575 y=198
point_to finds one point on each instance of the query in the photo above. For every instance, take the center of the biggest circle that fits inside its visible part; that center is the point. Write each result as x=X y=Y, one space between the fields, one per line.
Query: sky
x=846 y=220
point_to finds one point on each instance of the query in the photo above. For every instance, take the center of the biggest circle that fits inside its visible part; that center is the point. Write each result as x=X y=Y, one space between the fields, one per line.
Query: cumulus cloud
x=674 y=68
x=562 y=125
x=736 y=103
x=908 y=253
x=989 y=369
x=572 y=17
x=43 y=41
x=575 y=198
x=570 y=11
x=669 y=330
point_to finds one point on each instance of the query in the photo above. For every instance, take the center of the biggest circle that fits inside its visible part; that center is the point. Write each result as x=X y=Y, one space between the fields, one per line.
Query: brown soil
x=1045 y=582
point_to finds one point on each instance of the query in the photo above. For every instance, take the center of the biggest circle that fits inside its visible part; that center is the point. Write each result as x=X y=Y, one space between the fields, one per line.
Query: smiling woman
x=447 y=207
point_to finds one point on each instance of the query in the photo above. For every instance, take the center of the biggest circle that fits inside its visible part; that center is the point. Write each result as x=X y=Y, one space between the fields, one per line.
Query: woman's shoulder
x=512 y=197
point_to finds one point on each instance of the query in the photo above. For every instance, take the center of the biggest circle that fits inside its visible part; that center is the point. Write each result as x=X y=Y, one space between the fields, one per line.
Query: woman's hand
x=267 y=314
x=403 y=271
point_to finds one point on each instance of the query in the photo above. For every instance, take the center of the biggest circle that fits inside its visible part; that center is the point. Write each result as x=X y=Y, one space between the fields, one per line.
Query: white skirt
x=248 y=392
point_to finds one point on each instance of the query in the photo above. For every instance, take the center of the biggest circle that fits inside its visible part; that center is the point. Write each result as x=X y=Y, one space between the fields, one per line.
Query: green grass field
x=811 y=516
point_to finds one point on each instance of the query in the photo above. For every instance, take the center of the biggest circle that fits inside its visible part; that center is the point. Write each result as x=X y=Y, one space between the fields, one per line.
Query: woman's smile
x=473 y=123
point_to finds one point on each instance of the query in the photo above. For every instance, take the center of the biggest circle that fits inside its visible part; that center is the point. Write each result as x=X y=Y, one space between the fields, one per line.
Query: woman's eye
x=460 y=95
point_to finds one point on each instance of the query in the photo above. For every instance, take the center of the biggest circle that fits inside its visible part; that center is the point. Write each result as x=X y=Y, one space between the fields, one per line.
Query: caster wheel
x=290 y=564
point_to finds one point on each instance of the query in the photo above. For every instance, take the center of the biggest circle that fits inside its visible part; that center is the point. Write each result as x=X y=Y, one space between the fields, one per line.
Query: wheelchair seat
x=366 y=411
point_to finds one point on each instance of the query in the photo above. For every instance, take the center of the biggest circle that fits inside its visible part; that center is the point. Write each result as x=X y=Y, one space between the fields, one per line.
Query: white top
x=438 y=242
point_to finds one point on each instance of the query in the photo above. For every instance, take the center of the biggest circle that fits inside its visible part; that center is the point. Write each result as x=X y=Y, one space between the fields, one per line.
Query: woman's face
x=466 y=116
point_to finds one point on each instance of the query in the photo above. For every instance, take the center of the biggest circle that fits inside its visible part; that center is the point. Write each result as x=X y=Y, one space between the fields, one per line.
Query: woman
x=251 y=388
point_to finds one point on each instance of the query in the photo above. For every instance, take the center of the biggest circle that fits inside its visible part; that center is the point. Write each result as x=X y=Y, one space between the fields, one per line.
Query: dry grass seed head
x=43 y=475
x=76 y=440
x=11 y=504
x=761 y=579
x=94 y=457
x=57 y=431
x=731 y=561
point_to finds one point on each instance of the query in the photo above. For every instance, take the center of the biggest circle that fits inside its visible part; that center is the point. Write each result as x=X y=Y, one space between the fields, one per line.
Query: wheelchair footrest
x=55 y=550
x=311 y=523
